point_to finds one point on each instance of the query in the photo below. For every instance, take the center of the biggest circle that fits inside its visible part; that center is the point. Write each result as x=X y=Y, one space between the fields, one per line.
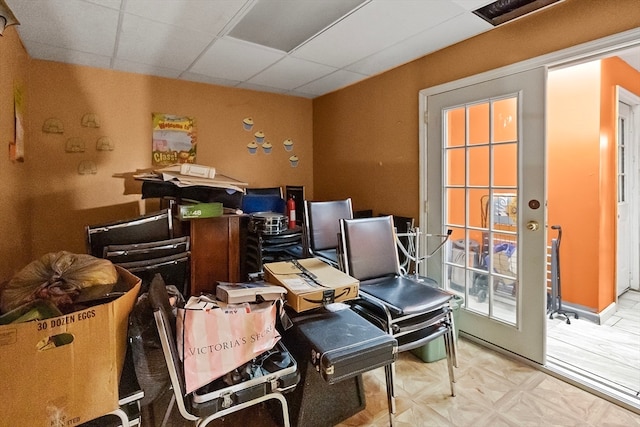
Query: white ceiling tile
x=112 y=4
x=71 y=24
x=235 y=60
x=163 y=45
x=472 y=4
x=208 y=79
x=428 y=41
x=52 y=53
x=138 y=68
x=334 y=81
x=290 y=73
x=209 y=17
x=375 y=26
x=189 y=39
x=261 y=88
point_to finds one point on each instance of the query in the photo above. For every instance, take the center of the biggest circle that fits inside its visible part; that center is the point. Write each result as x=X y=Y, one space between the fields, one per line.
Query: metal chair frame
x=379 y=271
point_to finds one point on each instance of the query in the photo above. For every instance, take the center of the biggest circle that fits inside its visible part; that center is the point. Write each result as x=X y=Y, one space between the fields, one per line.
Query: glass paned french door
x=485 y=181
x=480 y=200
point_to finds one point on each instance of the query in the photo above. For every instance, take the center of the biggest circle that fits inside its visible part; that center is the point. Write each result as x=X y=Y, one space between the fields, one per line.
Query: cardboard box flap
x=322 y=273
x=311 y=282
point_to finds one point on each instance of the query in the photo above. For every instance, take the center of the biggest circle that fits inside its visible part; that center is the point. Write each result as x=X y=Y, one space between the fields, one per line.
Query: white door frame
x=632 y=233
x=573 y=55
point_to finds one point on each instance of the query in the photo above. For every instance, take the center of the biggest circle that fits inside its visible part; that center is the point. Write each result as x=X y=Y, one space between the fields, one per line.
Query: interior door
x=624 y=227
x=485 y=180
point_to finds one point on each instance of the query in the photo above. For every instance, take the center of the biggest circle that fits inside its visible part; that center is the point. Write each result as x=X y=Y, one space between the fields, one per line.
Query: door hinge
x=426 y=117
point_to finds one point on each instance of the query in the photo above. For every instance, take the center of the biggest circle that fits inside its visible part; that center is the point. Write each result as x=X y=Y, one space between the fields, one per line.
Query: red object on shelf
x=291 y=212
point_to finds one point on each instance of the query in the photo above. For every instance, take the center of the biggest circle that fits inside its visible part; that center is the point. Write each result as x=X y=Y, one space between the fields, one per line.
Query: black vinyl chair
x=174 y=270
x=145 y=251
x=205 y=412
x=265 y=191
x=321 y=227
x=145 y=228
x=412 y=310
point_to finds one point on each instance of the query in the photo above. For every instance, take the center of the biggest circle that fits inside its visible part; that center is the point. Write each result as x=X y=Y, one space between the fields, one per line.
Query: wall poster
x=174 y=140
x=16 y=147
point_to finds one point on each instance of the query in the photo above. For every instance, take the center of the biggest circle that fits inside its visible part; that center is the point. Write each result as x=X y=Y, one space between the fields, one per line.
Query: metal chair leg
x=391 y=401
x=448 y=344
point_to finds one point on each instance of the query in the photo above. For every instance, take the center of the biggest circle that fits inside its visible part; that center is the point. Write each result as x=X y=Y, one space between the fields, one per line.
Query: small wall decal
x=259 y=137
x=247 y=123
x=87 y=167
x=266 y=147
x=104 y=143
x=90 y=121
x=252 y=147
x=288 y=144
x=74 y=145
x=293 y=160
x=53 y=125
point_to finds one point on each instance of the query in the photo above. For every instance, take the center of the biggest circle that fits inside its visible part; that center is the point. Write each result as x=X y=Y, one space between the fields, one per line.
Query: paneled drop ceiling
x=297 y=47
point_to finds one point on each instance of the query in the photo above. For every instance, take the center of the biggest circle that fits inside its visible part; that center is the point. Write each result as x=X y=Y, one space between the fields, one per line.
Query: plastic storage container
x=434 y=350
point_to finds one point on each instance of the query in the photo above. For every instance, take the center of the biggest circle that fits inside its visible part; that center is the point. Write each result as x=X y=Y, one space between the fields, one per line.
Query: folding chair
x=321 y=226
x=412 y=311
x=145 y=228
x=201 y=412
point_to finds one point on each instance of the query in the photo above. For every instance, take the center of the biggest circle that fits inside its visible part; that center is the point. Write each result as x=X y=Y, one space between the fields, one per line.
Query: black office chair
x=220 y=404
x=145 y=228
x=321 y=227
x=412 y=310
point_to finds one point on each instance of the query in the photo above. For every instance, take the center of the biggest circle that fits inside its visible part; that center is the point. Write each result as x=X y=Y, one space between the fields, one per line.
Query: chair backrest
x=321 y=221
x=368 y=246
x=174 y=270
x=145 y=228
x=145 y=251
x=265 y=191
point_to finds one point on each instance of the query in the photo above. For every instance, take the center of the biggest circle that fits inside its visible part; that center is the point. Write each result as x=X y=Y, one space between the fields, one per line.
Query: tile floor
x=492 y=390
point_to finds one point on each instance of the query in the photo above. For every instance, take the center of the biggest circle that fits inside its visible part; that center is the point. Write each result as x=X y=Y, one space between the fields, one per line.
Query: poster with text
x=174 y=140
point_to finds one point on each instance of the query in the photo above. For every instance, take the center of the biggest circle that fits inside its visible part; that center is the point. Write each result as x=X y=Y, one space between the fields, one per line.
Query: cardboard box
x=65 y=385
x=200 y=210
x=312 y=283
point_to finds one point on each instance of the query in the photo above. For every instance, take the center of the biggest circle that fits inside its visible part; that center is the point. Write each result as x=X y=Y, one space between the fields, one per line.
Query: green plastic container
x=434 y=350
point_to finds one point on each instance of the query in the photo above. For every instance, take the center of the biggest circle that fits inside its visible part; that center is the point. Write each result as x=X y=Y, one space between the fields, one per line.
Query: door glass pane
x=481 y=203
x=478 y=125
x=505 y=120
x=455 y=166
x=506 y=156
x=456 y=207
x=455 y=130
x=479 y=166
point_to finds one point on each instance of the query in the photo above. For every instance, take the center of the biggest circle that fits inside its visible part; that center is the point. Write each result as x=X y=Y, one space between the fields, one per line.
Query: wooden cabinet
x=218 y=248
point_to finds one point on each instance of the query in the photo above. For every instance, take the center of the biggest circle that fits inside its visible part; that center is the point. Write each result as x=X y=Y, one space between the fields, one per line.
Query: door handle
x=533 y=225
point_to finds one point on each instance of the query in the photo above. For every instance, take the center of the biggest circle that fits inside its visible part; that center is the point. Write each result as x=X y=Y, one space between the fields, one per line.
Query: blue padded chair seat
x=404 y=296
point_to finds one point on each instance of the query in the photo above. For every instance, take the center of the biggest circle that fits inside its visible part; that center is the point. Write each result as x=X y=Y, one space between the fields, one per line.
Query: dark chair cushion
x=406 y=296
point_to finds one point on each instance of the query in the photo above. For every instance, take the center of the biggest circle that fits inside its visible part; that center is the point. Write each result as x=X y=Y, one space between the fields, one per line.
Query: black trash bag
x=148 y=358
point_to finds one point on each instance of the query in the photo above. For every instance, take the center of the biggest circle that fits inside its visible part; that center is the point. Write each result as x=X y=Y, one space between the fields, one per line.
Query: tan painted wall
x=366 y=136
x=15 y=208
x=124 y=104
x=46 y=203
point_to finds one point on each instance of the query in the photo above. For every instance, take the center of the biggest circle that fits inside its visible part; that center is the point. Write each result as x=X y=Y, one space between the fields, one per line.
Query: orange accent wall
x=573 y=171
x=582 y=167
